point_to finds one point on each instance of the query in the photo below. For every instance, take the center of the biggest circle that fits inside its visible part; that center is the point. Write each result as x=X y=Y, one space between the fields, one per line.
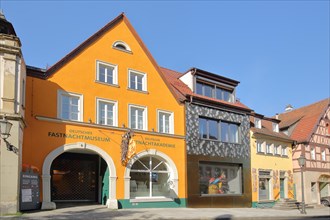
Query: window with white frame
x=259 y=147
x=268 y=148
x=323 y=155
x=137 y=117
x=313 y=156
x=277 y=149
x=137 y=80
x=106 y=73
x=165 y=122
x=275 y=127
x=257 y=122
x=107 y=112
x=284 y=151
x=70 y=106
x=150 y=177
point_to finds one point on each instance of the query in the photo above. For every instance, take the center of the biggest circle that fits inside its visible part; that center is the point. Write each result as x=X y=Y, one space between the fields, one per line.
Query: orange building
x=103 y=126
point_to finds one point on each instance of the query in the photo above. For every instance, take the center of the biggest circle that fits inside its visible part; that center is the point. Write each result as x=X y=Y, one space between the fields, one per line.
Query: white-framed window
x=277 y=149
x=313 y=156
x=150 y=177
x=323 y=155
x=106 y=73
x=165 y=122
x=275 y=127
x=259 y=147
x=284 y=151
x=107 y=112
x=121 y=45
x=138 y=117
x=257 y=122
x=268 y=148
x=69 y=106
x=137 y=80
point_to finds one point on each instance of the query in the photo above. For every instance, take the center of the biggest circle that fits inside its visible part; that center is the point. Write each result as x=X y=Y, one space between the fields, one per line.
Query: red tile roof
x=267 y=129
x=304 y=120
x=183 y=91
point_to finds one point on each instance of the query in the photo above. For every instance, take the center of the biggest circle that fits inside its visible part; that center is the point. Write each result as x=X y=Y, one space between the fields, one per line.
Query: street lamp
x=302 y=162
x=5 y=127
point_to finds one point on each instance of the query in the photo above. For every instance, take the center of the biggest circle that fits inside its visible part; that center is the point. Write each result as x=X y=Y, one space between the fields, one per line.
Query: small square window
x=106 y=73
x=137 y=80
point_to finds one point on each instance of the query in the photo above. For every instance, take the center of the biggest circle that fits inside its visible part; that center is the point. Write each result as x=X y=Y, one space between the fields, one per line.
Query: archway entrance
x=78 y=172
x=78 y=177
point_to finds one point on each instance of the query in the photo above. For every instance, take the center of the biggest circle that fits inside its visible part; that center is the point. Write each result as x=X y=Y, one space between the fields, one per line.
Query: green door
x=282 y=194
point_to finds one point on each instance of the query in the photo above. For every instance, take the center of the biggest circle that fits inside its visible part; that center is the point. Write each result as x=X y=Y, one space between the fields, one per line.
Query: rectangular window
x=259 y=147
x=268 y=148
x=137 y=80
x=208 y=129
x=277 y=149
x=257 y=122
x=220 y=179
x=214 y=91
x=106 y=73
x=165 y=122
x=264 y=185
x=69 y=106
x=284 y=151
x=138 y=117
x=323 y=155
x=229 y=132
x=275 y=127
x=106 y=112
x=313 y=157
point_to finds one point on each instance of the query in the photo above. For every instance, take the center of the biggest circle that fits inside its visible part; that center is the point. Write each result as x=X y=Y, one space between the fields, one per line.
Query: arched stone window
x=121 y=46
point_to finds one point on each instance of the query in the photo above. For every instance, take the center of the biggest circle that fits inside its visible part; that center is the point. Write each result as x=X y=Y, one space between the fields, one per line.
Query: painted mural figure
x=218 y=184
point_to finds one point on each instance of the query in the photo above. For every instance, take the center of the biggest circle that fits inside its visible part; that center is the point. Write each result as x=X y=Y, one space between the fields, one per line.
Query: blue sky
x=278 y=50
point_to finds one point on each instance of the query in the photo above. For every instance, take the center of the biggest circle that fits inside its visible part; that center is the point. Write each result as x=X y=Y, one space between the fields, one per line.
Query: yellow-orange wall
x=270 y=162
x=79 y=76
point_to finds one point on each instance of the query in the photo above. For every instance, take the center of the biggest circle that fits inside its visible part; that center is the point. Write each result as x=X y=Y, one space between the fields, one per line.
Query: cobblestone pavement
x=101 y=212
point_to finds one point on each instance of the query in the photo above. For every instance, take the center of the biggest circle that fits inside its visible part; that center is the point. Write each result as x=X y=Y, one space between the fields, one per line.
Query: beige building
x=12 y=92
x=309 y=126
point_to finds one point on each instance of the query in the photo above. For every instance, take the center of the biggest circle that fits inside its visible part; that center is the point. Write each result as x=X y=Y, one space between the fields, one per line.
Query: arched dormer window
x=120 y=45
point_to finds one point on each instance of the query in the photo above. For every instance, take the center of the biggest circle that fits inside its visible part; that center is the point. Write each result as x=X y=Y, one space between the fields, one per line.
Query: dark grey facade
x=198 y=146
x=201 y=151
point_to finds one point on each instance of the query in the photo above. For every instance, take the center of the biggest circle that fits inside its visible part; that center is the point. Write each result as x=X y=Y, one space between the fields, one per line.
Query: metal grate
x=74 y=177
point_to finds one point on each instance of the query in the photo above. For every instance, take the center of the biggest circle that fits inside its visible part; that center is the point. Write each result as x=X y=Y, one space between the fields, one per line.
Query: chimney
x=276 y=116
x=288 y=108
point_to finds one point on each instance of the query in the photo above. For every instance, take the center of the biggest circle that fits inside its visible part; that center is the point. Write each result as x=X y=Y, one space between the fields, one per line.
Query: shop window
x=137 y=80
x=137 y=117
x=69 y=106
x=165 y=122
x=150 y=177
x=106 y=73
x=220 y=178
x=106 y=112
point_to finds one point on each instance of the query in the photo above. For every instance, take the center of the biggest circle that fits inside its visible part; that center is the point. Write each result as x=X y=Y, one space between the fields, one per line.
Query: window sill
x=126 y=51
x=261 y=153
x=135 y=90
x=215 y=140
x=285 y=156
x=107 y=84
x=151 y=199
